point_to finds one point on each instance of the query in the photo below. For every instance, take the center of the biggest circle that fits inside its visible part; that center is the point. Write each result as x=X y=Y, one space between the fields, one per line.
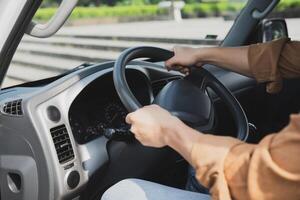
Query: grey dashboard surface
x=61 y=93
x=32 y=127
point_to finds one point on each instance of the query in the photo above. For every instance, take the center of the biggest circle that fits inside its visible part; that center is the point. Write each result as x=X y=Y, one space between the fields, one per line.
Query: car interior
x=65 y=137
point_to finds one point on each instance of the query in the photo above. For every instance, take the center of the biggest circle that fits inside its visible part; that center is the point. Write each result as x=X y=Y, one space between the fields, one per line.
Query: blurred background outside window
x=98 y=30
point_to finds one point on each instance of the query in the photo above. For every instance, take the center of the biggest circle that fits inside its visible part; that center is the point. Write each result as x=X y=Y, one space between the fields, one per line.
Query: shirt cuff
x=263 y=61
x=236 y=168
x=207 y=156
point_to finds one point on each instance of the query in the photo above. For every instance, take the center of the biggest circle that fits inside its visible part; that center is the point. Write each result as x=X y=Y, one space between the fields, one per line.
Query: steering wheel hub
x=185 y=101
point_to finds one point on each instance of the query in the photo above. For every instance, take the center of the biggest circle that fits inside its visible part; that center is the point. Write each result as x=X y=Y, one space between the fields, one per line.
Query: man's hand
x=184 y=58
x=155 y=127
x=230 y=58
x=151 y=125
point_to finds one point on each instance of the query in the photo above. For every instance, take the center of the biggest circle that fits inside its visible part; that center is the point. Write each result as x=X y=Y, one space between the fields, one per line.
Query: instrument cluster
x=98 y=107
x=91 y=122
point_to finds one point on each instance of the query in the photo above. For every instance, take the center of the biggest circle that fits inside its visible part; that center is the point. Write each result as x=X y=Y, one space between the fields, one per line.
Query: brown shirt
x=270 y=169
x=273 y=61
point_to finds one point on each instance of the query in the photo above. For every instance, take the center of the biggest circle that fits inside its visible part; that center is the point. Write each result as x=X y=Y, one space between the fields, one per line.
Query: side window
x=97 y=31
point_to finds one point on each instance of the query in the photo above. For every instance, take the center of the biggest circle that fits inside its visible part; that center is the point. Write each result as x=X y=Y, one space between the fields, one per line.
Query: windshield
x=98 y=31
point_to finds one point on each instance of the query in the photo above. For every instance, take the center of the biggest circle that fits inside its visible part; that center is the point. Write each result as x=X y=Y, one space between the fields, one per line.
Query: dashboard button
x=73 y=179
x=53 y=113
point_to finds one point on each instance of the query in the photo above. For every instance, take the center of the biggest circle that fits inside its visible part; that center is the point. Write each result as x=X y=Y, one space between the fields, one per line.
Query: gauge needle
x=114 y=117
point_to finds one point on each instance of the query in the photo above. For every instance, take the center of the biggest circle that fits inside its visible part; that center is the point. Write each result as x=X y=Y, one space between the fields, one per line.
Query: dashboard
x=67 y=152
x=98 y=106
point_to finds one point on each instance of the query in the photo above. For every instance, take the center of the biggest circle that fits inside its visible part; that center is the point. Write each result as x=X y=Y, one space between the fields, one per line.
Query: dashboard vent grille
x=62 y=143
x=13 y=108
x=159 y=84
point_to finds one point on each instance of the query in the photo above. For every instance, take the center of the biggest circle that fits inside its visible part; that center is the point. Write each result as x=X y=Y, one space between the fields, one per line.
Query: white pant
x=135 y=189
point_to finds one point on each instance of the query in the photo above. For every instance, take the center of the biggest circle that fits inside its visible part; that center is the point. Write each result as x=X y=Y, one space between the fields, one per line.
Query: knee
x=125 y=189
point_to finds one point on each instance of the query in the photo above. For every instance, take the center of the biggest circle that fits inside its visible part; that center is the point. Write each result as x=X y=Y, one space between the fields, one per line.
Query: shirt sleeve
x=270 y=62
x=235 y=170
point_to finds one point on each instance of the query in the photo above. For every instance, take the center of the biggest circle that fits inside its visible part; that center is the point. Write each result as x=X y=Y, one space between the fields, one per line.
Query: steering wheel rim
x=208 y=80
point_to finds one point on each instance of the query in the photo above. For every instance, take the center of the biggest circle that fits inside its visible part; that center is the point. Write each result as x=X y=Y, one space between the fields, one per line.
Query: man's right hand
x=184 y=58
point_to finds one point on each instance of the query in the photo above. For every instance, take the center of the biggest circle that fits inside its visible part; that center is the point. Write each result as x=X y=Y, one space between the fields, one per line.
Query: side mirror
x=55 y=23
x=274 y=29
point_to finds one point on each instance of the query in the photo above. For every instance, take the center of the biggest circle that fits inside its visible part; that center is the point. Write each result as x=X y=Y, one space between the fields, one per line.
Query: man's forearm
x=231 y=58
x=184 y=140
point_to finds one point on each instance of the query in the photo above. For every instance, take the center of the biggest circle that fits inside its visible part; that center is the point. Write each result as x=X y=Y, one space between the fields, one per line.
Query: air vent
x=158 y=85
x=62 y=144
x=13 y=108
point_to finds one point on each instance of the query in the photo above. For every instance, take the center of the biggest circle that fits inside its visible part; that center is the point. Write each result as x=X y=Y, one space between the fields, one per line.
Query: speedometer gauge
x=115 y=115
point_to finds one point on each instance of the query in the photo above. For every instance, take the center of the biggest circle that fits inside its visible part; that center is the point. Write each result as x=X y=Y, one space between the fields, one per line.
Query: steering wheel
x=185 y=98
